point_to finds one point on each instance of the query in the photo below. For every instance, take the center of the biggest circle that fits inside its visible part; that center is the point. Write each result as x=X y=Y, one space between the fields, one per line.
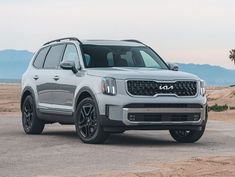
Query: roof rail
x=61 y=39
x=133 y=40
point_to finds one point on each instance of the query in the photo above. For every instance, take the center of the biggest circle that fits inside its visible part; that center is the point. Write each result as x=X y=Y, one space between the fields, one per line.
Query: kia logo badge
x=166 y=87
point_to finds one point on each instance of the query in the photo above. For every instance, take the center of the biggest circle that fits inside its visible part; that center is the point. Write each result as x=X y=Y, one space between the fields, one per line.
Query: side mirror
x=173 y=66
x=69 y=65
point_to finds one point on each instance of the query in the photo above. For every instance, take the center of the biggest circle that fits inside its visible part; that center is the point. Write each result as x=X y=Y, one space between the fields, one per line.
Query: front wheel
x=187 y=136
x=87 y=123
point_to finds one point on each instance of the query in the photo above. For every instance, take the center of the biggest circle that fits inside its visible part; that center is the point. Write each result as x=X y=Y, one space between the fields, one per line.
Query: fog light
x=196 y=117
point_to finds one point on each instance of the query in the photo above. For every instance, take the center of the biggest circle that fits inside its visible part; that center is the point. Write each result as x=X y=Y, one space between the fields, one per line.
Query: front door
x=64 y=88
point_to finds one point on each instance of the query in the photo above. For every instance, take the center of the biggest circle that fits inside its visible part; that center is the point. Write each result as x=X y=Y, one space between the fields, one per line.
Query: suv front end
x=158 y=111
x=148 y=94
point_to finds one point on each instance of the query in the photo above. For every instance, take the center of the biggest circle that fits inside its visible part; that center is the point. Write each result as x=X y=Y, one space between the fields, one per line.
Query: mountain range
x=13 y=63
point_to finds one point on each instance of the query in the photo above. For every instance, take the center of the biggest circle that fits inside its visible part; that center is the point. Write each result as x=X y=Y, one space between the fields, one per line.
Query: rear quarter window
x=39 y=60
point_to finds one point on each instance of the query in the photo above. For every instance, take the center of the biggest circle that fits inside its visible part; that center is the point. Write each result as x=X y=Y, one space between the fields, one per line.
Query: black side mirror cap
x=69 y=65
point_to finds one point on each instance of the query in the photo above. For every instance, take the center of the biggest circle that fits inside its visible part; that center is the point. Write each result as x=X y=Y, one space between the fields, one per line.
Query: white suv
x=106 y=86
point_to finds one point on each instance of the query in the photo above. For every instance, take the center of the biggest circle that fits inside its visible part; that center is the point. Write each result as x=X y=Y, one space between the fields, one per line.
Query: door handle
x=36 y=77
x=56 y=78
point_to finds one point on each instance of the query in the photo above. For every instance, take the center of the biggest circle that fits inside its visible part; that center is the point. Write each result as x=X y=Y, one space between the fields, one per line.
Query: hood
x=140 y=73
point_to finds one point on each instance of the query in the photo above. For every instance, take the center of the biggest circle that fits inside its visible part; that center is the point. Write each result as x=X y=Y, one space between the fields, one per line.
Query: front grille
x=163 y=105
x=151 y=88
x=164 y=117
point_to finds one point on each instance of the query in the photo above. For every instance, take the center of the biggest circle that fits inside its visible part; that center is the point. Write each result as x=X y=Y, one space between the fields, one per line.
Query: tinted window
x=87 y=59
x=110 y=59
x=129 y=58
x=54 y=57
x=121 y=56
x=149 y=60
x=39 y=60
x=71 y=54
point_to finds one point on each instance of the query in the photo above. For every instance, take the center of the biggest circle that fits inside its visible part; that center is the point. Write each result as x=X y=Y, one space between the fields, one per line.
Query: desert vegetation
x=232 y=55
x=218 y=108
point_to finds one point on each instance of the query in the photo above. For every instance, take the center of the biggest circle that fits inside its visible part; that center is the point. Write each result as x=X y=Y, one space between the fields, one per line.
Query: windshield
x=121 y=56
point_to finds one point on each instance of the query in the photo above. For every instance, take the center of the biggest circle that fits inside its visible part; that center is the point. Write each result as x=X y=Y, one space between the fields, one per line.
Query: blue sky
x=187 y=31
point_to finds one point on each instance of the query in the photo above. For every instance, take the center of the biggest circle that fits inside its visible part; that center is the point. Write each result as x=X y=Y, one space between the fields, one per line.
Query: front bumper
x=115 y=110
x=156 y=123
x=163 y=116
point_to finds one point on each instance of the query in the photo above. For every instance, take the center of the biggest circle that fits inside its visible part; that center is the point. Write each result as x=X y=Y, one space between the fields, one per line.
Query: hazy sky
x=189 y=31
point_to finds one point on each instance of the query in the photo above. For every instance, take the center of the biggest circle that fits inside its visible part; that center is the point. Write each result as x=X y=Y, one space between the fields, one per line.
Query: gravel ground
x=58 y=152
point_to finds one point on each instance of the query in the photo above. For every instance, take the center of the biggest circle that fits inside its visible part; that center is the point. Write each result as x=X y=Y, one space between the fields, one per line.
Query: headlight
x=108 y=86
x=202 y=87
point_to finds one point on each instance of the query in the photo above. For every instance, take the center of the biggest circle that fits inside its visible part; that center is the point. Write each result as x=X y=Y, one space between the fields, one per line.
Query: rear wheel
x=30 y=122
x=187 y=136
x=87 y=123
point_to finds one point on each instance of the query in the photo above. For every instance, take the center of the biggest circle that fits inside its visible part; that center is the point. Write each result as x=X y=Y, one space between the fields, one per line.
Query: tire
x=187 y=136
x=31 y=123
x=87 y=122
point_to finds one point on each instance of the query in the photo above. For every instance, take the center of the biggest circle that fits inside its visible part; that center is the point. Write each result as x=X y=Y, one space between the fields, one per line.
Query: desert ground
x=58 y=153
x=221 y=96
x=10 y=100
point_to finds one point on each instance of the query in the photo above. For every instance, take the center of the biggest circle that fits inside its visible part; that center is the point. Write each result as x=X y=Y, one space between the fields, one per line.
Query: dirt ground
x=221 y=166
x=221 y=96
x=9 y=100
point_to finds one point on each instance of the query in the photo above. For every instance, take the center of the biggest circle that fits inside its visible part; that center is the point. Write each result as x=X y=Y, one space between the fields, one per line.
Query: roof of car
x=129 y=42
x=112 y=42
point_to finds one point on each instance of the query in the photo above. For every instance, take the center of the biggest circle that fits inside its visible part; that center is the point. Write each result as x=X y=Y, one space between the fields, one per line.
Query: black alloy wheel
x=31 y=124
x=87 y=122
x=27 y=115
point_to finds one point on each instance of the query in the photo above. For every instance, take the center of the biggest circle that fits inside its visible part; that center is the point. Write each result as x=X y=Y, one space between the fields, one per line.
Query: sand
x=221 y=166
x=221 y=96
x=9 y=100
x=215 y=166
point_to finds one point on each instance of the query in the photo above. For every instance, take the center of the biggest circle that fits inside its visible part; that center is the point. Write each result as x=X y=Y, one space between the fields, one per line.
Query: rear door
x=48 y=77
x=38 y=75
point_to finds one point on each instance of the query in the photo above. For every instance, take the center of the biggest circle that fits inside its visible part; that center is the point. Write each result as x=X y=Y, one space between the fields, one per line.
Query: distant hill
x=213 y=75
x=13 y=63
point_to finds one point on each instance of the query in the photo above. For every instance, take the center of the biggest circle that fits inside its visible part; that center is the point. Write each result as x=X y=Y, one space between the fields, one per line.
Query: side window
x=71 y=54
x=110 y=59
x=39 y=60
x=87 y=60
x=54 y=57
x=129 y=59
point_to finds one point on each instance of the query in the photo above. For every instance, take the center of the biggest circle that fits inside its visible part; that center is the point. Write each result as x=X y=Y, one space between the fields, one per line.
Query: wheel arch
x=85 y=92
x=26 y=92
